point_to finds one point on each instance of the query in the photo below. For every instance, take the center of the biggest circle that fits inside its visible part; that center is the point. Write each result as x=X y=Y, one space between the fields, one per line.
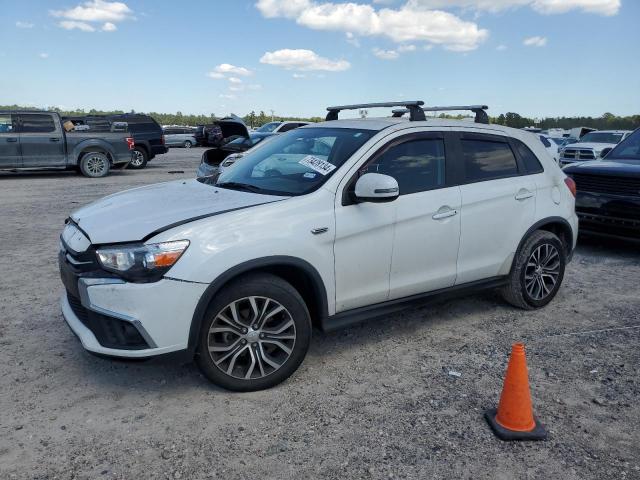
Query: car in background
x=179 y=137
x=280 y=127
x=592 y=146
x=608 y=191
x=215 y=160
x=146 y=133
x=34 y=140
x=551 y=146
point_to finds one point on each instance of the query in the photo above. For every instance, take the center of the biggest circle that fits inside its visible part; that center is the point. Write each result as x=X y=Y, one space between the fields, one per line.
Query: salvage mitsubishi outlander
x=326 y=225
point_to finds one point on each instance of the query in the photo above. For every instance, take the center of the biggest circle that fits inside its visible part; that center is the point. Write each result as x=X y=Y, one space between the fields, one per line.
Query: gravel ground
x=373 y=401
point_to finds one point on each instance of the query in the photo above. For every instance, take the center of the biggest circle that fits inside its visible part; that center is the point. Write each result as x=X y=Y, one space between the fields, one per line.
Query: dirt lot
x=373 y=401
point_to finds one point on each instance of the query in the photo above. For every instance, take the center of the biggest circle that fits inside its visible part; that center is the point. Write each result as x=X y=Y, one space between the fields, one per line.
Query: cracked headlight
x=139 y=262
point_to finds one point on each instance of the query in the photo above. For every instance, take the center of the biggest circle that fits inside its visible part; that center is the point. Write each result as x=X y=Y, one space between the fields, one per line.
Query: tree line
x=607 y=121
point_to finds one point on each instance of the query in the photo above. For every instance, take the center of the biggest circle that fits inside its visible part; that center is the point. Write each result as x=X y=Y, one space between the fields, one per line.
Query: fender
x=91 y=142
x=548 y=221
x=214 y=287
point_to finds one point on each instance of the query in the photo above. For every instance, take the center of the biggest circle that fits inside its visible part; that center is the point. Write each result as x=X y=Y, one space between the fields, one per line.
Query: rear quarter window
x=531 y=163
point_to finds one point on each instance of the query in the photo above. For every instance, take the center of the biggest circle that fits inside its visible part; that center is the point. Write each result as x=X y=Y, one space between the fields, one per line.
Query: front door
x=9 y=142
x=41 y=140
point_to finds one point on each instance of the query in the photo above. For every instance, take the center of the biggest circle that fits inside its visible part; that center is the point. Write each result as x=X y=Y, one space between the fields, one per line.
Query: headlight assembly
x=139 y=262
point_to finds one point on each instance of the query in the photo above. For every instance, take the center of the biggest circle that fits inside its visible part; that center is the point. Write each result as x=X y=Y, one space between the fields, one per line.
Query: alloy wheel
x=542 y=271
x=137 y=159
x=251 y=337
x=96 y=165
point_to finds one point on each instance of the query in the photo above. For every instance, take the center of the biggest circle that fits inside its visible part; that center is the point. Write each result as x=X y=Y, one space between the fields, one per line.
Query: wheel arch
x=299 y=273
x=557 y=225
x=93 y=145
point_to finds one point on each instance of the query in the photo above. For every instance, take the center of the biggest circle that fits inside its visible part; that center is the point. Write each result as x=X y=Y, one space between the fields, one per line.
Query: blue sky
x=535 y=57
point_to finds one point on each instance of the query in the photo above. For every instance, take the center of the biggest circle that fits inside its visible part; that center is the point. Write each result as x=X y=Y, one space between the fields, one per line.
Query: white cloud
x=406 y=48
x=73 y=25
x=501 y=48
x=234 y=80
x=83 y=15
x=43 y=55
x=96 y=11
x=601 y=7
x=215 y=75
x=20 y=24
x=228 y=96
x=535 y=41
x=410 y=22
x=385 y=54
x=299 y=75
x=226 y=68
x=303 y=60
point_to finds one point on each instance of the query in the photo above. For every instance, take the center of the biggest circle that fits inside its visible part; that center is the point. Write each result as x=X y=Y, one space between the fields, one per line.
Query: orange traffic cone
x=514 y=419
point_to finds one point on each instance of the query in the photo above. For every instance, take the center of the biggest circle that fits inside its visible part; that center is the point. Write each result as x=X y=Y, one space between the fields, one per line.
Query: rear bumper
x=108 y=311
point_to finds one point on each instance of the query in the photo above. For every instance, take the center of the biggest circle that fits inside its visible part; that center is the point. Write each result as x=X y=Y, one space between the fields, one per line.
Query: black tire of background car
x=515 y=292
x=266 y=285
x=142 y=153
x=94 y=165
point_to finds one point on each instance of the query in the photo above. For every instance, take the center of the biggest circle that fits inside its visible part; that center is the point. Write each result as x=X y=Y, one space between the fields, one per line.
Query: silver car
x=179 y=137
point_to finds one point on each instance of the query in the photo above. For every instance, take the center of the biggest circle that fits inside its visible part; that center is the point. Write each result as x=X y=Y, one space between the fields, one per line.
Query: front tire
x=537 y=271
x=255 y=334
x=94 y=165
x=188 y=144
x=139 y=159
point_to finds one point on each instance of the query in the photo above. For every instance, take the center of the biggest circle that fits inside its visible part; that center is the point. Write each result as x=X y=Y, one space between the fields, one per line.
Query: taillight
x=130 y=142
x=571 y=185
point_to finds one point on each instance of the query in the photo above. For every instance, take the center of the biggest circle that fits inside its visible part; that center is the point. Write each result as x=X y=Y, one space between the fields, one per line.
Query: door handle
x=54 y=139
x=444 y=214
x=12 y=140
x=523 y=194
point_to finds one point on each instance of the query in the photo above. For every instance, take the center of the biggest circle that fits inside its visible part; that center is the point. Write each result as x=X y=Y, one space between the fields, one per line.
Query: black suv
x=146 y=132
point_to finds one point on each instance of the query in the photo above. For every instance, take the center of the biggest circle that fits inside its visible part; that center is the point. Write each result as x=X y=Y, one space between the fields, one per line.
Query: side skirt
x=358 y=315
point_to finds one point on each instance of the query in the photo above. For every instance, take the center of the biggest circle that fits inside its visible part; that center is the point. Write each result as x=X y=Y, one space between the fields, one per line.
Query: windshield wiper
x=239 y=186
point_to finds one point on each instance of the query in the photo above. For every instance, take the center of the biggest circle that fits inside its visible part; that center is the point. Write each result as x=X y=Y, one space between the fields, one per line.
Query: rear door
x=498 y=205
x=9 y=142
x=41 y=140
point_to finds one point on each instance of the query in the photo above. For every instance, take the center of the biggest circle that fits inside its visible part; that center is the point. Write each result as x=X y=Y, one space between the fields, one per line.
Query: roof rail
x=479 y=110
x=413 y=107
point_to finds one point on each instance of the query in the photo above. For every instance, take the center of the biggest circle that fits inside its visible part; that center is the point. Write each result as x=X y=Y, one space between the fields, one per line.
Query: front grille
x=612 y=226
x=109 y=331
x=578 y=154
x=624 y=186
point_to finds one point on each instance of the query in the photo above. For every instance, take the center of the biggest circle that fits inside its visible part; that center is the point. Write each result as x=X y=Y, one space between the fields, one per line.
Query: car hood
x=627 y=168
x=594 y=146
x=134 y=215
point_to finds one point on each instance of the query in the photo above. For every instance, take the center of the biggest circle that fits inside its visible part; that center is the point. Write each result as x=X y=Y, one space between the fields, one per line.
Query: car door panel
x=41 y=141
x=10 y=156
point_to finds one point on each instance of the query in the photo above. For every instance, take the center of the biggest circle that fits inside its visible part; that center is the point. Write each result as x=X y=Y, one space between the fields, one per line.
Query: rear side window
x=487 y=160
x=531 y=163
x=545 y=142
x=37 y=123
x=417 y=165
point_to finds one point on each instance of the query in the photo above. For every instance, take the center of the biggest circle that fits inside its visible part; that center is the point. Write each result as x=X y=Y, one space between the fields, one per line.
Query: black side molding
x=358 y=315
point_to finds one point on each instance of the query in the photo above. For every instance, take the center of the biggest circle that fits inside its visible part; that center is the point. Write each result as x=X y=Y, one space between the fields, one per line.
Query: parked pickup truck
x=38 y=140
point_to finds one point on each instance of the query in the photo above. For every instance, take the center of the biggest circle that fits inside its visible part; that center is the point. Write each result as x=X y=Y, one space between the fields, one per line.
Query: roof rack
x=479 y=110
x=413 y=107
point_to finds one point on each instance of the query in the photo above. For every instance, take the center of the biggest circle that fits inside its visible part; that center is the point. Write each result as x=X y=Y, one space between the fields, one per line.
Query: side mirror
x=376 y=187
x=605 y=152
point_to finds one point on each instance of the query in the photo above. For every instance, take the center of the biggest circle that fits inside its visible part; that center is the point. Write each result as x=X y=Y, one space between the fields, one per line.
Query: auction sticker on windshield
x=319 y=165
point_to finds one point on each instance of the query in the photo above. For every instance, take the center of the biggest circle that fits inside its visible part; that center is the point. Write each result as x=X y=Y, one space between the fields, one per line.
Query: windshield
x=627 y=150
x=268 y=127
x=296 y=162
x=601 y=137
x=558 y=141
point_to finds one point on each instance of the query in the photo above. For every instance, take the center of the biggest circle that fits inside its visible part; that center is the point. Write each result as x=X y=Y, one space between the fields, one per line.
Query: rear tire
x=94 y=165
x=139 y=159
x=537 y=272
x=236 y=355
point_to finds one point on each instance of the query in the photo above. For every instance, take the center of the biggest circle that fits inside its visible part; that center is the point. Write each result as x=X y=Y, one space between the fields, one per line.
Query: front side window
x=629 y=149
x=37 y=123
x=294 y=163
x=6 y=125
x=487 y=160
x=417 y=165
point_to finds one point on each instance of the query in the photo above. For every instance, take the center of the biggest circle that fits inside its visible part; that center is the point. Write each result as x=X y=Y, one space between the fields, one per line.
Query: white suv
x=326 y=225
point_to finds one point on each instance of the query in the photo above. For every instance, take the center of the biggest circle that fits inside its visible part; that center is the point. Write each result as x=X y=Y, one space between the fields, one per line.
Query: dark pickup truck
x=608 y=191
x=38 y=140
